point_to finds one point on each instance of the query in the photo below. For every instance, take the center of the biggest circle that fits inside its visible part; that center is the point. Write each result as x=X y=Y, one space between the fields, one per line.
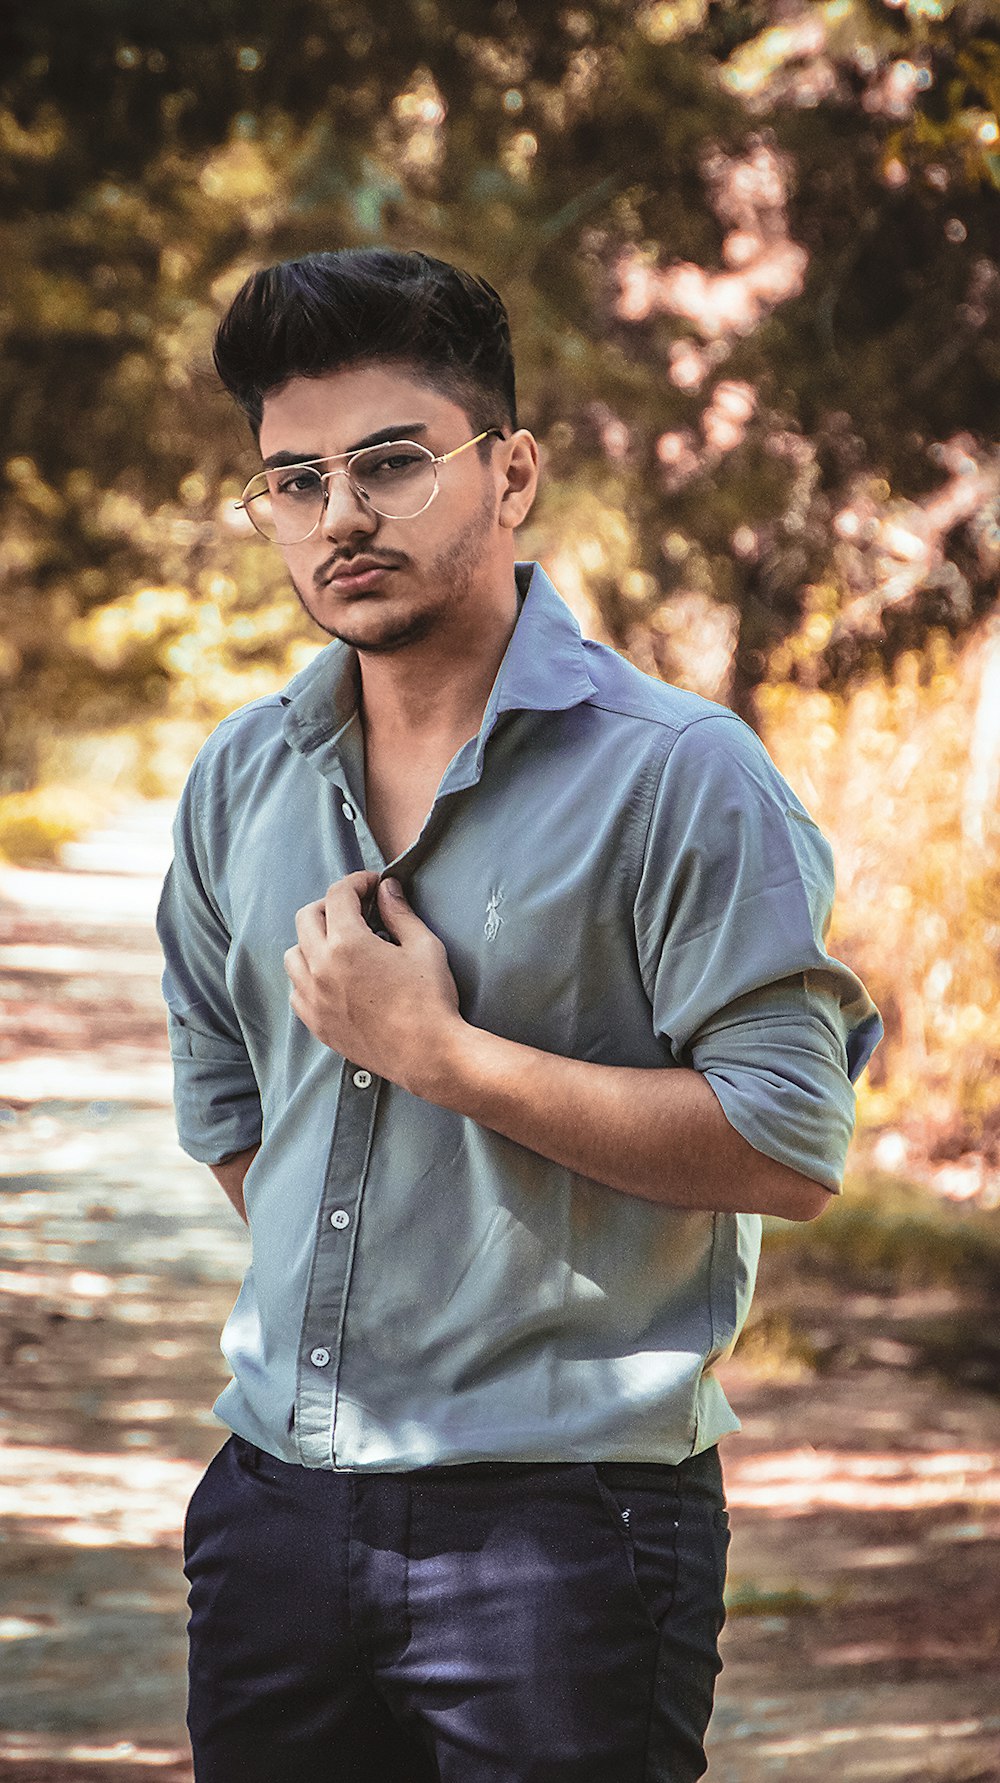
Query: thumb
x=394 y=909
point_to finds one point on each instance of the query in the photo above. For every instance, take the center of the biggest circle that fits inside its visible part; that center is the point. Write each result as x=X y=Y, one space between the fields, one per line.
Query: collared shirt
x=619 y=874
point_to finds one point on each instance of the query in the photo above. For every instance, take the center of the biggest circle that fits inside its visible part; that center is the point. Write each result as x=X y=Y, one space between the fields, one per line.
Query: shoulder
x=709 y=774
x=237 y=745
x=259 y=717
x=689 y=735
x=621 y=688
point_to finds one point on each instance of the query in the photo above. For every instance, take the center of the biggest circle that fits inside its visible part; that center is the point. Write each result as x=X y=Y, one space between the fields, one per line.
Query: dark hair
x=325 y=312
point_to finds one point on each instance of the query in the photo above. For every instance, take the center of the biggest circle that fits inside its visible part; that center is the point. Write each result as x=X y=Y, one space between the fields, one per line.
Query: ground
x=863 y=1639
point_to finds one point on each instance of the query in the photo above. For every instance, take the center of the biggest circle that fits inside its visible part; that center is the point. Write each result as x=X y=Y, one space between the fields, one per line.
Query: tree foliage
x=750 y=252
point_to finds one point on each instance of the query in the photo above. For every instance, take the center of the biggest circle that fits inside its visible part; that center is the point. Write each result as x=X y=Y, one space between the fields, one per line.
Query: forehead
x=332 y=413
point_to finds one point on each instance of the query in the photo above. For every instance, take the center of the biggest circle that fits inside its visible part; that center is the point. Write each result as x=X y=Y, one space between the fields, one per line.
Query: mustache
x=386 y=560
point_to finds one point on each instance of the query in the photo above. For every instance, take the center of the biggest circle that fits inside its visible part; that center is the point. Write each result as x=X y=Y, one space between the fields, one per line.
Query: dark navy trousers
x=494 y=1623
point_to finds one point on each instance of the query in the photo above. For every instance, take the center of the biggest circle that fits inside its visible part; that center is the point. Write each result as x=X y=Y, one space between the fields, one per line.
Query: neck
x=434 y=691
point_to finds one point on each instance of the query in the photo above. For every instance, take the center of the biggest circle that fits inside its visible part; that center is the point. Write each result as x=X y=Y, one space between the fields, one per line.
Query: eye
x=301 y=481
x=392 y=463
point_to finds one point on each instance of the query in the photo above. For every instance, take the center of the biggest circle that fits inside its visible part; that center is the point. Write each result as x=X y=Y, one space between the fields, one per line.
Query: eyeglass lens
x=397 y=482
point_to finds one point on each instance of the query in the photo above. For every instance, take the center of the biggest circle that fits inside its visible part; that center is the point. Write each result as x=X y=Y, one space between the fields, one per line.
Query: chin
x=380 y=636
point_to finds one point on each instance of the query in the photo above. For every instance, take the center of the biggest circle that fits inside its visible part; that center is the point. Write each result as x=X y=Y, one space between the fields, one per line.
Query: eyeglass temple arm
x=465 y=447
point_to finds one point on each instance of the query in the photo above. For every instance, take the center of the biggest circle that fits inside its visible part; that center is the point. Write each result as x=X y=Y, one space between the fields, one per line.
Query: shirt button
x=340 y=1218
x=348 y=811
x=319 y=1358
x=361 y=1080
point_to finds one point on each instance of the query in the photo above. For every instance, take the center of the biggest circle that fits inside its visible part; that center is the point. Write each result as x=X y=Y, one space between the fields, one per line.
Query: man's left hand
x=390 y=1006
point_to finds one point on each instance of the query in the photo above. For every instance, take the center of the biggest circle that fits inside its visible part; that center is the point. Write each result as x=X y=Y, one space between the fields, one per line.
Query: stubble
x=449 y=580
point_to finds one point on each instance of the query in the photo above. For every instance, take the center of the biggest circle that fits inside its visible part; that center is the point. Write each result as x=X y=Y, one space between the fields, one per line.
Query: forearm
x=659 y=1134
x=231 y=1174
x=394 y=1010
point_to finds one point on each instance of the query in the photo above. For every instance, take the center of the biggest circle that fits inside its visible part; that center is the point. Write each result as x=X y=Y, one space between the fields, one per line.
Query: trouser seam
x=658 y=1656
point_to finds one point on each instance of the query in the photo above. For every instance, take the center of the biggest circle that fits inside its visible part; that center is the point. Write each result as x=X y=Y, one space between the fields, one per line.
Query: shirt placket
x=333 y=1259
x=321 y=1342
x=322 y=1333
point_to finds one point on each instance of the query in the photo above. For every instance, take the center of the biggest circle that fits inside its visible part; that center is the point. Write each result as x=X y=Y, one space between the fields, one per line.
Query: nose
x=344 y=512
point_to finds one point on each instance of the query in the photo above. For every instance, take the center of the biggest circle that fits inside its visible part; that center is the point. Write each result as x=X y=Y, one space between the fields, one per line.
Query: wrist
x=437 y=1069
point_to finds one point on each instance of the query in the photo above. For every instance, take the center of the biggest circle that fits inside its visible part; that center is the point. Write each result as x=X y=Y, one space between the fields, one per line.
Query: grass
x=744 y=1597
x=35 y=825
x=893 y=1235
x=927 y=1273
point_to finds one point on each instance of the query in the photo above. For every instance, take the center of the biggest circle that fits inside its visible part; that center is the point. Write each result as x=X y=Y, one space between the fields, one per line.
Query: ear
x=520 y=478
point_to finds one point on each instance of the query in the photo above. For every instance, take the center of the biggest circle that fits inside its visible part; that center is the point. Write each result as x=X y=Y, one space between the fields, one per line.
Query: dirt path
x=864 y=1631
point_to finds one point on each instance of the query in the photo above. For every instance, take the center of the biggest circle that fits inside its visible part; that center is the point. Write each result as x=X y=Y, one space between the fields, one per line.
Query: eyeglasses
x=398 y=480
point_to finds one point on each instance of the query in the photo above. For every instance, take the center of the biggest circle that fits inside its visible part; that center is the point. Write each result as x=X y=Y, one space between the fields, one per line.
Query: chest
x=399 y=794
x=396 y=808
x=527 y=876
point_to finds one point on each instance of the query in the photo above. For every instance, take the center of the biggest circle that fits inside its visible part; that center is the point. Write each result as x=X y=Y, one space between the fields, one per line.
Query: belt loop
x=250 y=1454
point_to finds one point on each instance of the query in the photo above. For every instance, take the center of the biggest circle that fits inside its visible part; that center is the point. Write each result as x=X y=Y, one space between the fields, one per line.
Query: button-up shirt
x=619 y=874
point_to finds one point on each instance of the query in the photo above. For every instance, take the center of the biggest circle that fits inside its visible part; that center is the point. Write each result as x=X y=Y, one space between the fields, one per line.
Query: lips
x=357 y=574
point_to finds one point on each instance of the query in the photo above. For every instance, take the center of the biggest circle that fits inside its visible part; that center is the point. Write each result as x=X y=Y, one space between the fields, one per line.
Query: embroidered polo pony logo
x=491 y=927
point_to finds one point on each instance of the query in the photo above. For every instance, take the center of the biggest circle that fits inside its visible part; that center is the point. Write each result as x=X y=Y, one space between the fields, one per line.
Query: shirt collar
x=543 y=670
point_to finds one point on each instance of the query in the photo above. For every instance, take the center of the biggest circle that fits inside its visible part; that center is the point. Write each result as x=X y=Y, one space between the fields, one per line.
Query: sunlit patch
x=727 y=416
x=930 y=1731
x=23 y=1748
x=142 y=1411
x=763 y=265
x=93 y=1501
x=902 y=1554
x=23 y=1628
x=965 y=1532
x=50 y=1284
x=693 y=637
x=751 y=68
x=917 y=1646
x=796 y=1482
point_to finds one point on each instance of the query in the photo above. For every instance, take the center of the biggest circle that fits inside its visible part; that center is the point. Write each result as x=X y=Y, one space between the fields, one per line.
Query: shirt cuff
x=218 y=1112
x=216 y=1097
x=781 y=1078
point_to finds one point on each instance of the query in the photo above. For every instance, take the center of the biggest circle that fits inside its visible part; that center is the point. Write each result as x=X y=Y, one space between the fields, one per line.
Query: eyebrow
x=402 y=431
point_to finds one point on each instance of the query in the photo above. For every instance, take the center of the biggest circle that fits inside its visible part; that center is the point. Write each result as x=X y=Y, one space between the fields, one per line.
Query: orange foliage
x=902 y=774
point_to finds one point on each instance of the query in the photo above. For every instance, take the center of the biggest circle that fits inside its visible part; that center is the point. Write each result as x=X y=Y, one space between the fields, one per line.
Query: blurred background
x=751 y=252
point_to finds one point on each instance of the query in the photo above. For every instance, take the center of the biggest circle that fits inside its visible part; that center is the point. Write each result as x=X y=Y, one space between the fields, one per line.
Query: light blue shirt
x=619 y=874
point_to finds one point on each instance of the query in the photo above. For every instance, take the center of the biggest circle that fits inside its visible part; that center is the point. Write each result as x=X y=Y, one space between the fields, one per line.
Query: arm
x=763 y=1031
x=660 y=1134
x=216 y=1096
x=230 y=1174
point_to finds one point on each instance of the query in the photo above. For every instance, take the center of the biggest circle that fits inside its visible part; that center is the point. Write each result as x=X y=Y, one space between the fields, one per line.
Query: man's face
x=381 y=584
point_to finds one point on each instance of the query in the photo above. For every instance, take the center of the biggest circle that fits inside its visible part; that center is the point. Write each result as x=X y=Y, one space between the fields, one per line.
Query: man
x=500 y=1009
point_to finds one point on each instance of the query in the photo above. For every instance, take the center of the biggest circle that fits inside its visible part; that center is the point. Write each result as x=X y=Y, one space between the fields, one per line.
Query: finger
x=345 y=899
x=357 y=884
x=296 y=967
x=299 y=1008
x=310 y=926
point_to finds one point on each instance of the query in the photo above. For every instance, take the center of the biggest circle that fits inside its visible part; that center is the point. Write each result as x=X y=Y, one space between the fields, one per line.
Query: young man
x=500 y=1008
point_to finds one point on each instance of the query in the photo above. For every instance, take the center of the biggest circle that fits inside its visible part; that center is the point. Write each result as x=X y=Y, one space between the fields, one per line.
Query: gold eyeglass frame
x=325 y=477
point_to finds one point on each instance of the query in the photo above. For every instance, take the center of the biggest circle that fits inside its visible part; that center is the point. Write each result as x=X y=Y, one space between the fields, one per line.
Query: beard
x=452 y=574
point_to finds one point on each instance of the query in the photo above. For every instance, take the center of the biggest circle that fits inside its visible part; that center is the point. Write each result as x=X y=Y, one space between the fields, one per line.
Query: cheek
x=302 y=560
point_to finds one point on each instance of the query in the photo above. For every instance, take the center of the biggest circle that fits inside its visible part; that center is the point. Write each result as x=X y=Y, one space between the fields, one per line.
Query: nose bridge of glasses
x=347 y=472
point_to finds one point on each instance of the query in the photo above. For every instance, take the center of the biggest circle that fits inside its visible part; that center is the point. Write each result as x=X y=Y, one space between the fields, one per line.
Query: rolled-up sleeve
x=216 y=1096
x=731 y=914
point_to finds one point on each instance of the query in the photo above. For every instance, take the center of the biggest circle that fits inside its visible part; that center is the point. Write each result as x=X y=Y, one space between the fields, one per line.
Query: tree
x=750 y=256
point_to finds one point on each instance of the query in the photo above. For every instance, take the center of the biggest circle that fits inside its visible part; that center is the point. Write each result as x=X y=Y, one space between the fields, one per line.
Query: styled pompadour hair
x=325 y=312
